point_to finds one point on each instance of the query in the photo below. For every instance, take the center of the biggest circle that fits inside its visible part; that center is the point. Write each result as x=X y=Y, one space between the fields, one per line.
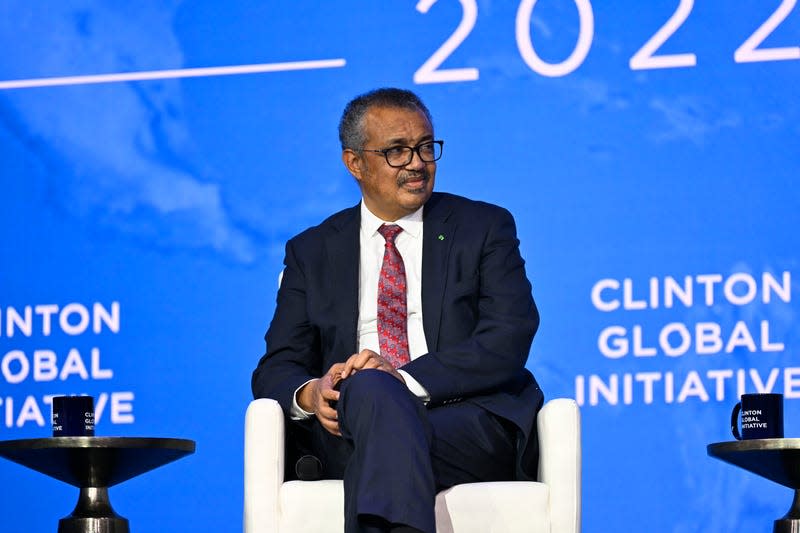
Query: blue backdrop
x=156 y=155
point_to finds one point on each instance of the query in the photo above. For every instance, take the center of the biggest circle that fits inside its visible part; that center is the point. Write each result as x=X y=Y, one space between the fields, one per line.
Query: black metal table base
x=94 y=525
x=775 y=459
x=93 y=513
x=791 y=522
x=94 y=464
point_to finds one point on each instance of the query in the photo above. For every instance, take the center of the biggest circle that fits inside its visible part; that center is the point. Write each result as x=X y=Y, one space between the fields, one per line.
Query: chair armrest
x=263 y=465
x=559 y=426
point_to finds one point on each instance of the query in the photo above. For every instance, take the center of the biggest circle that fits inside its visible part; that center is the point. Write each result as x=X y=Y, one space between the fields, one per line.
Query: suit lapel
x=343 y=250
x=437 y=240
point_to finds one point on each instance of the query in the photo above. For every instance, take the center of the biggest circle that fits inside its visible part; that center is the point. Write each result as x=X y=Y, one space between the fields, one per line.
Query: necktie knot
x=389 y=232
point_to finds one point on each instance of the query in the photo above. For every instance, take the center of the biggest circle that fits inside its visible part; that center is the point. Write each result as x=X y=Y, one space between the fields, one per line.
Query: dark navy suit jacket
x=478 y=314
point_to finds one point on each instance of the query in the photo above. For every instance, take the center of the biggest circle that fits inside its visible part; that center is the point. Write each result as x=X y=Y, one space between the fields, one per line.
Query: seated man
x=402 y=327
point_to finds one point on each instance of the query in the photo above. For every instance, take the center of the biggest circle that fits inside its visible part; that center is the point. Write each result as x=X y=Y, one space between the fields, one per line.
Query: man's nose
x=416 y=162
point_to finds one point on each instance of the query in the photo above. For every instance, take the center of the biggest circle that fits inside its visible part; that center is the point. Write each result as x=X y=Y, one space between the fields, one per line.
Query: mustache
x=412 y=176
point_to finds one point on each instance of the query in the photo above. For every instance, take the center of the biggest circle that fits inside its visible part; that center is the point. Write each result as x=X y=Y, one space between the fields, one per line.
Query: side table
x=94 y=464
x=775 y=459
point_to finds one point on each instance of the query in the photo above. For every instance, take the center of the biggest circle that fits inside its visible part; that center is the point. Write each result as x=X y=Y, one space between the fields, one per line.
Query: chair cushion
x=507 y=507
x=312 y=506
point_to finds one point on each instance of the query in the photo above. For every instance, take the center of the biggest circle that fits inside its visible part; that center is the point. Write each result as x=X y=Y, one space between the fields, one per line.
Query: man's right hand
x=316 y=395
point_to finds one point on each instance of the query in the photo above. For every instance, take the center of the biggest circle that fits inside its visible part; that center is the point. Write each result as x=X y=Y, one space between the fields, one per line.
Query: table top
x=95 y=461
x=775 y=459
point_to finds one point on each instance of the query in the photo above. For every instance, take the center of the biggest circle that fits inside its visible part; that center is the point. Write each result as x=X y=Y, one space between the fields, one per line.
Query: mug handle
x=735 y=420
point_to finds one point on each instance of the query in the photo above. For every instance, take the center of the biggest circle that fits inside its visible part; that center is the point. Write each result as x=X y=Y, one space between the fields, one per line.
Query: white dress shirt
x=409 y=244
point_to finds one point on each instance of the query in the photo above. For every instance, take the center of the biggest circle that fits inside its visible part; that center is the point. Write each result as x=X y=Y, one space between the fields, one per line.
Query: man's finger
x=330 y=395
x=331 y=427
x=353 y=363
x=373 y=362
x=327 y=413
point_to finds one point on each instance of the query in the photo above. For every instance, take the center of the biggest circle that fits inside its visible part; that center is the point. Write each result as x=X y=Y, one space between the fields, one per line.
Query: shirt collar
x=411 y=223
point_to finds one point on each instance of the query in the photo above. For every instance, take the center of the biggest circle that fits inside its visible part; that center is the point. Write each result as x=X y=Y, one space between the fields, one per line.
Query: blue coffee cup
x=761 y=417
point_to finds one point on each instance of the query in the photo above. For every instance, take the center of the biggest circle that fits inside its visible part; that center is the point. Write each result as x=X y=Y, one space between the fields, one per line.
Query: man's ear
x=352 y=160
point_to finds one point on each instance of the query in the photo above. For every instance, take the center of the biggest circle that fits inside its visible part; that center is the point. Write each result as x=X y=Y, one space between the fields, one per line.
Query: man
x=415 y=305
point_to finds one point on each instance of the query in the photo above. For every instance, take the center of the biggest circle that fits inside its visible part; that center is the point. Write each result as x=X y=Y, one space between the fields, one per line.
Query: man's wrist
x=305 y=396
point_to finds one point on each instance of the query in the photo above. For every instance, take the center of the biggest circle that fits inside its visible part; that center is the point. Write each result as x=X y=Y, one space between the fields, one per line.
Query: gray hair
x=351 y=125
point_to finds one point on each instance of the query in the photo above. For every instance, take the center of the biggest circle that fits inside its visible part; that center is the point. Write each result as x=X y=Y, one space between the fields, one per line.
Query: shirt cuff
x=415 y=387
x=297 y=412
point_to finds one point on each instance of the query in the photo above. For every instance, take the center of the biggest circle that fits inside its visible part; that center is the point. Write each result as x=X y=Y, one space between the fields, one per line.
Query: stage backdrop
x=156 y=155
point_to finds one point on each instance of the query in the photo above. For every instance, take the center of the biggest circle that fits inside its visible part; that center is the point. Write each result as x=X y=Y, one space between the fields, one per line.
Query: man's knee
x=369 y=384
x=371 y=396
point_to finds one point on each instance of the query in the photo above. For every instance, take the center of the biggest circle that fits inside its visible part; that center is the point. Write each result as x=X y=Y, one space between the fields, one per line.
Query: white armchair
x=551 y=505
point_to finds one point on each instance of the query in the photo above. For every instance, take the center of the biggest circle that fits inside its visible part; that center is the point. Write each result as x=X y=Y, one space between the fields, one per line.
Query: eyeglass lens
x=402 y=155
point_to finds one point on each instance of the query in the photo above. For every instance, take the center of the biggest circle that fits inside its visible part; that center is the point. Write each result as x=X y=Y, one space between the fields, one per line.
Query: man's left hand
x=369 y=359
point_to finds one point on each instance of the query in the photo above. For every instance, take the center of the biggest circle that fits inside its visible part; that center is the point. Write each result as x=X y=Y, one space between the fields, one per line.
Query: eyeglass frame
x=414 y=150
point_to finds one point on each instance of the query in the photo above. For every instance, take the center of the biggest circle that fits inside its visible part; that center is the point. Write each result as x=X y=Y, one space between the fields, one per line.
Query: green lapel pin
x=441 y=236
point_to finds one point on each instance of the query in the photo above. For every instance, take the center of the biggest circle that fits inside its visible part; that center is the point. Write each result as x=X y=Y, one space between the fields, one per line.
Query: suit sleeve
x=488 y=320
x=292 y=356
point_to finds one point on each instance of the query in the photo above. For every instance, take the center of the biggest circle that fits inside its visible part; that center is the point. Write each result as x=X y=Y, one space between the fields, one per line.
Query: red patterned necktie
x=392 y=315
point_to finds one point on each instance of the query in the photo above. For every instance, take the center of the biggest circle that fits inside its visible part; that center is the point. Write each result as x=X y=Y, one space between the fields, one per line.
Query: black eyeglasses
x=400 y=156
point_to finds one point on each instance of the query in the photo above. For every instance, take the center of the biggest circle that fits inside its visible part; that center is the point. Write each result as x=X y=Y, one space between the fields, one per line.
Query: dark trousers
x=395 y=454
